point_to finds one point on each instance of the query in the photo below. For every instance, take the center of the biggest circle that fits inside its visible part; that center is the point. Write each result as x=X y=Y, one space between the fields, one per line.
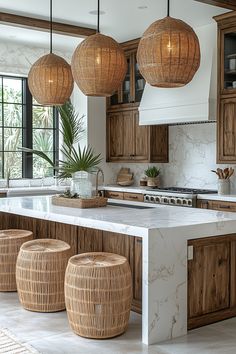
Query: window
x=23 y=122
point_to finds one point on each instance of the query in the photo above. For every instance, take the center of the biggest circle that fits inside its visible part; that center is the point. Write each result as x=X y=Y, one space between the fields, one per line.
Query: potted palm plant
x=77 y=163
x=152 y=174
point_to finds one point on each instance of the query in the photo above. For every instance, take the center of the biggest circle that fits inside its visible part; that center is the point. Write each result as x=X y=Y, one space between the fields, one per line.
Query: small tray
x=95 y=202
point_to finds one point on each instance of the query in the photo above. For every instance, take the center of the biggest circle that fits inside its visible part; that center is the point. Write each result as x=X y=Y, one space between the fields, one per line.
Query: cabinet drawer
x=114 y=195
x=133 y=196
x=222 y=206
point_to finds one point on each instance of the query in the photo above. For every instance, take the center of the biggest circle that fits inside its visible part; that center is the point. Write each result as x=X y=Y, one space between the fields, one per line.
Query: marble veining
x=192 y=156
x=165 y=231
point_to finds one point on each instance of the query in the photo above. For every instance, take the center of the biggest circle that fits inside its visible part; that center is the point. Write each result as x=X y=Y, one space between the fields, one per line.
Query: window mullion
x=27 y=132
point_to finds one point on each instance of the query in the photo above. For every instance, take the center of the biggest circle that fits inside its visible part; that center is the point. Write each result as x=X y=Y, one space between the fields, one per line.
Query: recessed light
x=95 y=12
x=143 y=7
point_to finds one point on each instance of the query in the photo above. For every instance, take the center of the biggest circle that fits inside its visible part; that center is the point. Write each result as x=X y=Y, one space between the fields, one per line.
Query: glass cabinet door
x=229 y=61
x=126 y=87
x=139 y=83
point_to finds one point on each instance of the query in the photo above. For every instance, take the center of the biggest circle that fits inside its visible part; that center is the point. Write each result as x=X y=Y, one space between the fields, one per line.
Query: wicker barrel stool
x=40 y=274
x=98 y=294
x=10 y=243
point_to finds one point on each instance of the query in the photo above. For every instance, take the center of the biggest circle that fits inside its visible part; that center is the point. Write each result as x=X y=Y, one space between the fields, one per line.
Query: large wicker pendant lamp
x=98 y=64
x=169 y=53
x=50 y=79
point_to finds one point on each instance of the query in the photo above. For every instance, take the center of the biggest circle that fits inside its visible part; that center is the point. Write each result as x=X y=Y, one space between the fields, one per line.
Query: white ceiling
x=122 y=20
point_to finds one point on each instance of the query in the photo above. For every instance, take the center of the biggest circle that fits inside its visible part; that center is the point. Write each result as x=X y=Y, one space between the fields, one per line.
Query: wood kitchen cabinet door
x=116 y=243
x=141 y=139
x=226 y=146
x=131 y=248
x=115 y=142
x=208 y=278
x=128 y=135
x=89 y=240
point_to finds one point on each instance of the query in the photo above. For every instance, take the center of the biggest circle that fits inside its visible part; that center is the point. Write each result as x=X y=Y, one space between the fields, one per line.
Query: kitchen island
x=165 y=232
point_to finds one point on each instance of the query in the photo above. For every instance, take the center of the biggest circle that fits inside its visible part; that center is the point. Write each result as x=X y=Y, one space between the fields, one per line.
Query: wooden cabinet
x=137 y=275
x=131 y=89
x=131 y=248
x=134 y=197
x=226 y=118
x=127 y=141
x=211 y=280
x=227 y=130
x=203 y=204
x=217 y=205
x=114 y=195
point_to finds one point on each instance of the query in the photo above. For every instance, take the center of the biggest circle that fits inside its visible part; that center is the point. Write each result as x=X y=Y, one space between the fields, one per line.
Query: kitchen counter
x=165 y=231
x=225 y=198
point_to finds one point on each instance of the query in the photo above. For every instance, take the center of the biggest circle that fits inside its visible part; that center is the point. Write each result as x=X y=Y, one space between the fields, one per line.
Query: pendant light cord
x=168 y=8
x=98 y=23
x=50 y=26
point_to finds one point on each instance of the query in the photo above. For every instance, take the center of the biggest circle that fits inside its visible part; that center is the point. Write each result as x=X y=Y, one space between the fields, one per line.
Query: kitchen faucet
x=102 y=173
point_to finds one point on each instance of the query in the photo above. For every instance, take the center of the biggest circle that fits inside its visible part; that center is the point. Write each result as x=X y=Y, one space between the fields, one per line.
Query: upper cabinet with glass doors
x=227 y=53
x=131 y=90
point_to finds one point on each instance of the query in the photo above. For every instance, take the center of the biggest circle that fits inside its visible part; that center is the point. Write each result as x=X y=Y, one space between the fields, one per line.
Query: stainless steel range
x=185 y=197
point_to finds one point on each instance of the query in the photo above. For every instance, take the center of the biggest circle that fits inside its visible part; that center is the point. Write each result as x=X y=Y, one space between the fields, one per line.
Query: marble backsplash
x=192 y=156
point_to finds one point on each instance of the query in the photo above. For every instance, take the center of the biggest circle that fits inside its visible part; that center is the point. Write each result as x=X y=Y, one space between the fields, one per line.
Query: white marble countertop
x=225 y=198
x=121 y=219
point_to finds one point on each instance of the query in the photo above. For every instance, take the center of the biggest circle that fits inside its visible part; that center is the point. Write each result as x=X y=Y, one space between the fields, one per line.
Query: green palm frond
x=40 y=154
x=82 y=160
x=72 y=127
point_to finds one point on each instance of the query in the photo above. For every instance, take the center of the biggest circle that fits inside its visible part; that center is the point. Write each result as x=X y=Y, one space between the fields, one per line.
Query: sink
x=132 y=206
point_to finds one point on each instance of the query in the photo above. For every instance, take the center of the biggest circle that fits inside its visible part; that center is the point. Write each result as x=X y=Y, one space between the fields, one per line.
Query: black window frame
x=27 y=128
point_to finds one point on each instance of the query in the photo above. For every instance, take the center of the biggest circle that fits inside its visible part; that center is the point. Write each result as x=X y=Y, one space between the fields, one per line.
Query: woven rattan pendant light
x=50 y=79
x=99 y=64
x=169 y=53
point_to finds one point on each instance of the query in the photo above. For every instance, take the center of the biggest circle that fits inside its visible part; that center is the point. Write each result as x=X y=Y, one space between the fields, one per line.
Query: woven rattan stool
x=98 y=294
x=40 y=274
x=10 y=243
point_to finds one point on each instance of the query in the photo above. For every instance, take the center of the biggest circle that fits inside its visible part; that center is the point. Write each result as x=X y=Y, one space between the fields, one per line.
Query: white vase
x=81 y=184
x=223 y=186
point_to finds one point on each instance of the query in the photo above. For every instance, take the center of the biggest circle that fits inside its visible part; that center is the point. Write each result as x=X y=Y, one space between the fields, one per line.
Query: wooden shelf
x=230 y=72
x=231 y=56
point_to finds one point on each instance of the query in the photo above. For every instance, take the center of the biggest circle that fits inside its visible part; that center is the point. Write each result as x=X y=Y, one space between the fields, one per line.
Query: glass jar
x=81 y=184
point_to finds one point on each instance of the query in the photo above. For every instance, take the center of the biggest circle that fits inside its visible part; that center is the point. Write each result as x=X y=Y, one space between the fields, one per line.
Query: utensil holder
x=223 y=186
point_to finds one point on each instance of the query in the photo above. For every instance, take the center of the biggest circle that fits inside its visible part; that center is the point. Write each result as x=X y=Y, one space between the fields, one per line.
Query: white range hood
x=195 y=102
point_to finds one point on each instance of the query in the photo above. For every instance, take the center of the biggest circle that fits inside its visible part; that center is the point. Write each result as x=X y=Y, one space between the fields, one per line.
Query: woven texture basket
x=168 y=53
x=50 y=80
x=96 y=202
x=40 y=274
x=98 y=292
x=99 y=65
x=10 y=243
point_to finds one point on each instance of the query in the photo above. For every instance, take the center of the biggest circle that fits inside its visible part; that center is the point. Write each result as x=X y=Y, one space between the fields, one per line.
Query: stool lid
x=45 y=246
x=97 y=260
x=14 y=233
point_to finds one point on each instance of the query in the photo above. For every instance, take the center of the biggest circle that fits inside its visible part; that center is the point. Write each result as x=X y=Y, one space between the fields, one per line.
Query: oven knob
x=190 y=203
x=172 y=201
x=152 y=199
x=179 y=201
x=146 y=198
x=157 y=199
x=185 y=202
